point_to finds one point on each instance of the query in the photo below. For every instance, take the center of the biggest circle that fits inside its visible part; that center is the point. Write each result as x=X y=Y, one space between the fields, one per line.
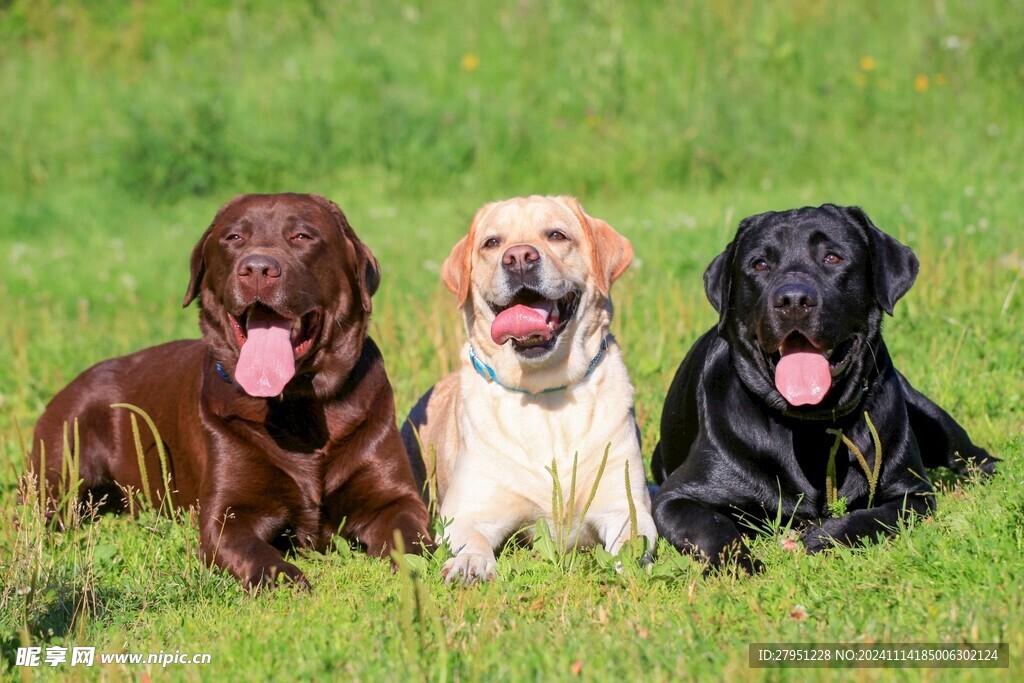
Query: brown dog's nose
x=520 y=258
x=260 y=265
x=794 y=299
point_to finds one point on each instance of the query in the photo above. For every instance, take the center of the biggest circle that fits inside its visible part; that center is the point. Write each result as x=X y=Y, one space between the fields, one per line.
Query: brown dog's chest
x=295 y=456
x=307 y=469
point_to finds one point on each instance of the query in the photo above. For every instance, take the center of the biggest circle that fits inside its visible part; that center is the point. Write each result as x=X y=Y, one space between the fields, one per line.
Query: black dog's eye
x=557 y=236
x=832 y=259
x=761 y=266
x=491 y=242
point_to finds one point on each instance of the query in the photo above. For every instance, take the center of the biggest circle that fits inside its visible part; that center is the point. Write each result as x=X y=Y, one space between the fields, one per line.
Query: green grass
x=125 y=126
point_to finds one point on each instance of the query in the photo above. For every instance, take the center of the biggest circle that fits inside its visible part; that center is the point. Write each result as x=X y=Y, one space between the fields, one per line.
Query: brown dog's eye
x=557 y=236
x=232 y=237
x=761 y=266
x=302 y=237
x=491 y=242
x=832 y=259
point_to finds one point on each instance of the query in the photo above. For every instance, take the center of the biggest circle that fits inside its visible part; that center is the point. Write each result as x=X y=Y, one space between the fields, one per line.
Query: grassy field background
x=124 y=126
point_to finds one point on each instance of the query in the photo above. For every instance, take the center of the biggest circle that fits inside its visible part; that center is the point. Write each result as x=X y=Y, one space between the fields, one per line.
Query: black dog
x=794 y=372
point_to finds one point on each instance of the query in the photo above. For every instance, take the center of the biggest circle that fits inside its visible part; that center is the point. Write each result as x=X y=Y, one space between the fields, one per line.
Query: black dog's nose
x=520 y=258
x=259 y=264
x=794 y=299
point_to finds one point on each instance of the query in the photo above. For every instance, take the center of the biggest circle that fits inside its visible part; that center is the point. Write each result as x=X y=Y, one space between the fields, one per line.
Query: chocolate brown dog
x=279 y=423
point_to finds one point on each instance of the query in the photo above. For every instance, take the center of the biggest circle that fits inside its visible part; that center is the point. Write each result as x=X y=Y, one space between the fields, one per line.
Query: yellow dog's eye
x=491 y=242
x=557 y=236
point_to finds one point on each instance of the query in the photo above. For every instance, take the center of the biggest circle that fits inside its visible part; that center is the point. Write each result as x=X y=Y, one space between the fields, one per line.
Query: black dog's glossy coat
x=735 y=454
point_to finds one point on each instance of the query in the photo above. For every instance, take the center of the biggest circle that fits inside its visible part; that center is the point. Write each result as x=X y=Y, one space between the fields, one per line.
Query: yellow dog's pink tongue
x=803 y=377
x=522 y=322
x=267 y=360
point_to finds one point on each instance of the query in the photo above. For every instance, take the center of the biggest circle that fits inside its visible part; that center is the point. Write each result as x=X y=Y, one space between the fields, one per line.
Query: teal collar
x=487 y=372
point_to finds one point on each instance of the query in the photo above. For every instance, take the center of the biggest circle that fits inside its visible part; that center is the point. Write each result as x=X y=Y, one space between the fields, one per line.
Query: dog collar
x=488 y=373
x=223 y=374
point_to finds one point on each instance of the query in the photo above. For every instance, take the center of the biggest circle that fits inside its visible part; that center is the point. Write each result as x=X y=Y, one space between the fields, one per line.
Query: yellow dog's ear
x=610 y=252
x=455 y=273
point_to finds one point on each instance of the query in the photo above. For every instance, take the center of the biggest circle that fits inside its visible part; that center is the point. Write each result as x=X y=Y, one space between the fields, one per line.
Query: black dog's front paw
x=848 y=530
x=733 y=556
x=821 y=535
x=749 y=564
x=973 y=460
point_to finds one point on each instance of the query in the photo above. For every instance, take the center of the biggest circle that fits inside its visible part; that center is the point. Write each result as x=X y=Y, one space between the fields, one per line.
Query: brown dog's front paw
x=277 y=575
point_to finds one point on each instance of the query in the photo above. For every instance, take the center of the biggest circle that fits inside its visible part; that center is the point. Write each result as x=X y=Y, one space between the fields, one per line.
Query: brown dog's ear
x=610 y=252
x=893 y=264
x=197 y=264
x=197 y=268
x=370 y=274
x=366 y=263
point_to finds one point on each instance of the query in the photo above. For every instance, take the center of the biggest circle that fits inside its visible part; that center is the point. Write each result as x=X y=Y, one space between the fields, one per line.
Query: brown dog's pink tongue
x=267 y=360
x=522 y=322
x=803 y=377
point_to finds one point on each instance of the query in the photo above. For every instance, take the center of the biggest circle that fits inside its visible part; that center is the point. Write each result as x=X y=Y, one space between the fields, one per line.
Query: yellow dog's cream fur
x=494 y=446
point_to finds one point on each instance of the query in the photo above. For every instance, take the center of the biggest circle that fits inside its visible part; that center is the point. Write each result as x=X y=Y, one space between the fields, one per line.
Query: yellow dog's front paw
x=469 y=568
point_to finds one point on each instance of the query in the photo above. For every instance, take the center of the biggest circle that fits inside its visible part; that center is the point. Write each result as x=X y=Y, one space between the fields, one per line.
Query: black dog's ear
x=718 y=279
x=893 y=264
x=718 y=276
x=197 y=268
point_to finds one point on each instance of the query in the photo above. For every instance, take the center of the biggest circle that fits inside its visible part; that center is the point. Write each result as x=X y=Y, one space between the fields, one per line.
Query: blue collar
x=223 y=374
x=487 y=372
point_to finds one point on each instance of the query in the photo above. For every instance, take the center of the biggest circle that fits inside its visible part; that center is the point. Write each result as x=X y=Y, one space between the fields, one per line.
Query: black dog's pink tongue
x=523 y=322
x=802 y=376
x=267 y=360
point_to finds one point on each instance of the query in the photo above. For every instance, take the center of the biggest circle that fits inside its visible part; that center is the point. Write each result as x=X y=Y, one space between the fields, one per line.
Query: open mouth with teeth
x=270 y=343
x=804 y=371
x=532 y=322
